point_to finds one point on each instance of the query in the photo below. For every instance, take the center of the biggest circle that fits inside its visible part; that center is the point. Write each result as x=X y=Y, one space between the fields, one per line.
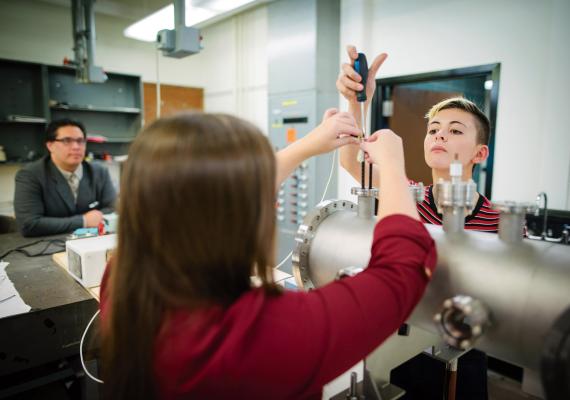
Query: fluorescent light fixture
x=147 y=28
x=224 y=5
x=195 y=15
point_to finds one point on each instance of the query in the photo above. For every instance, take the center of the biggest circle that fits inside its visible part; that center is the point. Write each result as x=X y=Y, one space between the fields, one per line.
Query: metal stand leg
x=368 y=389
x=89 y=389
x=450 y=379
x=450 y=356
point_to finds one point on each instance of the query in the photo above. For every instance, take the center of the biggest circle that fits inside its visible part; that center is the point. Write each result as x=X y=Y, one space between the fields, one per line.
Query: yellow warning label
x=288 y=103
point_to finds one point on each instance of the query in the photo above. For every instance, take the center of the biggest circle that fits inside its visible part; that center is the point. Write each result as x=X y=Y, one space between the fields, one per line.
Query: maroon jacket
x=289 y=346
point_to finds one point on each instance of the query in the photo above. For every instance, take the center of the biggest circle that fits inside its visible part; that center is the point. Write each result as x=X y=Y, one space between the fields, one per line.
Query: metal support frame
x=83 y=23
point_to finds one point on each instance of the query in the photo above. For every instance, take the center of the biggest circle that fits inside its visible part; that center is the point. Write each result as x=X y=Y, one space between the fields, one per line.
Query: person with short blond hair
x=456 y=127
x=460 y=103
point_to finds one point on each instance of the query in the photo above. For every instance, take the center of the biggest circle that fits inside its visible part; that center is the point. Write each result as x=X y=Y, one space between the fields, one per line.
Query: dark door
x=408 y=120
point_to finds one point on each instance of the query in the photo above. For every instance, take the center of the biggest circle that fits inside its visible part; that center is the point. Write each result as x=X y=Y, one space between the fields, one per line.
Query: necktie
x=74 y=185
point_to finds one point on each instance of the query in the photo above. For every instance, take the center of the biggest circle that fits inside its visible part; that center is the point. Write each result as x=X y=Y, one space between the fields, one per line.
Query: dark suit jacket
x=44 y=203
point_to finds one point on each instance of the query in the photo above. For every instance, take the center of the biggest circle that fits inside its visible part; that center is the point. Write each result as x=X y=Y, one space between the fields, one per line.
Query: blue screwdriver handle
x=361 y=68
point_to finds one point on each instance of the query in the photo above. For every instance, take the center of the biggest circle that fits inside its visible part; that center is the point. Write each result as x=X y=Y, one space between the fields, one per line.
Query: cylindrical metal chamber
x=525 y=286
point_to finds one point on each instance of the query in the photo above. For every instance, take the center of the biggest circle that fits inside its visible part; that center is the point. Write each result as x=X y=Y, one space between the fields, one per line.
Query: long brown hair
x=196 y=222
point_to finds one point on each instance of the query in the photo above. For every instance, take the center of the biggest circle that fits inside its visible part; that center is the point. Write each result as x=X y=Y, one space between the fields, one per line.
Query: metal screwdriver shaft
x=363 y=125
x=361 y=68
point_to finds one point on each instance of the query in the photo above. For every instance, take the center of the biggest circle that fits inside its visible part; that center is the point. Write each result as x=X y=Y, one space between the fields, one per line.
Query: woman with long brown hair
x=180 y=316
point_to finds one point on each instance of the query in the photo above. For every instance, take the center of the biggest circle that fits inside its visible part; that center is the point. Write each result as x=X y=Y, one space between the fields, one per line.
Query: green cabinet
x=33 y=94
x=23 y=109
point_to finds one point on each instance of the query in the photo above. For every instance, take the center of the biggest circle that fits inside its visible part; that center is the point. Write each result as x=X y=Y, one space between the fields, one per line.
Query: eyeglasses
x=67 y=141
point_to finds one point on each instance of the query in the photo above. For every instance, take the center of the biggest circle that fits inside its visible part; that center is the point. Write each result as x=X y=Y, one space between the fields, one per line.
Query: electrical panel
x=303 y=50
x=291 y=117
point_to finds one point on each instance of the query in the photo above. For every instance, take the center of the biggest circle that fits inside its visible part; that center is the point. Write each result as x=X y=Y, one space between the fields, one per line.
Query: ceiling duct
x=83 y=19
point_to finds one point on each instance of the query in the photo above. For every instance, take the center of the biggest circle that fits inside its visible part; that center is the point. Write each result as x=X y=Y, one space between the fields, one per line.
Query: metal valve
x=512 y=216
x=455 y=198
x=418 y=192
x=462 y=321
x=366 y=201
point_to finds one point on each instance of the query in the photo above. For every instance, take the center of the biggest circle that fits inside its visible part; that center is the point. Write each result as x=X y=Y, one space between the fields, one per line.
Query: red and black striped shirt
x=483 y=218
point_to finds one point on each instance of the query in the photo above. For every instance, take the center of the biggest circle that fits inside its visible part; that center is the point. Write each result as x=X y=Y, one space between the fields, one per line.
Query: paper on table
x=10 y=301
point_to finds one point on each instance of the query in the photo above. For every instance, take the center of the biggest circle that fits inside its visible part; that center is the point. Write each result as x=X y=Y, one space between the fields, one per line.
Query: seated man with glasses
x=61 y=192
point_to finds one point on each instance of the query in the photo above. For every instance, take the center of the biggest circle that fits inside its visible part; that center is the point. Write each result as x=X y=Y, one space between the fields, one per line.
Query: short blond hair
x=461 y=103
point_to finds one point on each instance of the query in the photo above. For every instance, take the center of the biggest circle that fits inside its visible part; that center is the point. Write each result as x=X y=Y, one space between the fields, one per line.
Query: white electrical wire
x=322 y=198
x=284 y=260
x=330 y=176
x=81 y=349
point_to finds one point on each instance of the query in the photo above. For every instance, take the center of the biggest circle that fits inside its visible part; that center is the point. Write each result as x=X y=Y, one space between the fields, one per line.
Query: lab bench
x=41 y=346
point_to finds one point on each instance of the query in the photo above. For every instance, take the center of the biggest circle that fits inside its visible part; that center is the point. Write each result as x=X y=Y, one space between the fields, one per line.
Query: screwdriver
x=361 y=68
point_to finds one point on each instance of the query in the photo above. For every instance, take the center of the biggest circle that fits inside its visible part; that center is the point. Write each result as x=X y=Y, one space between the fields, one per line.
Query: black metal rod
x=369 y=176
x=363 y=171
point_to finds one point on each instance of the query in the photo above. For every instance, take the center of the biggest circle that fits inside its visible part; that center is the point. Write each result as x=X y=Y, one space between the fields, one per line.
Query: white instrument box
x=86 y=258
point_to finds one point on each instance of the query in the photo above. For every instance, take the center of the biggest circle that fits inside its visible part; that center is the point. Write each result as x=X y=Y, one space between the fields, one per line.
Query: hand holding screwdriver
x=361 y=68
x=353 y=82
x=349 y=82
x=358 y=92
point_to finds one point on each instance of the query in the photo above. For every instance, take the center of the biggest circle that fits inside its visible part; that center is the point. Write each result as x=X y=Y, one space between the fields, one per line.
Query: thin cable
x=322 y=198
x=81 y=349
x=364 y=136
x=19 y=248
x=285 y=259
x=43 y=252
x=330 y=176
